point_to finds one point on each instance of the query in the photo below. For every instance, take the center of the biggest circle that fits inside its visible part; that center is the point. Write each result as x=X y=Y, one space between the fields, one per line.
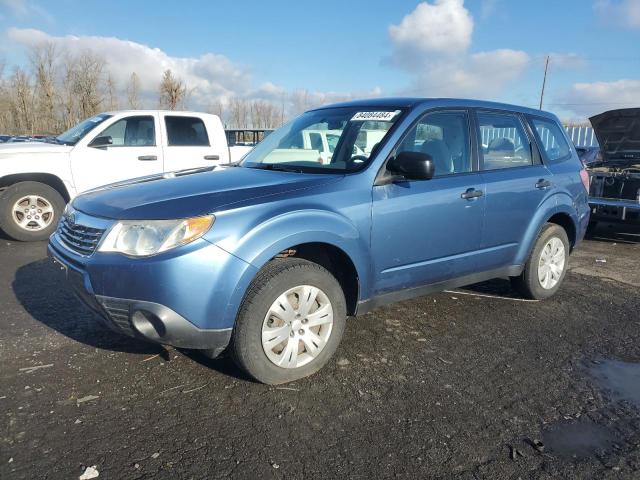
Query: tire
x=529 y=283
x=255 y=315
x=30 y=199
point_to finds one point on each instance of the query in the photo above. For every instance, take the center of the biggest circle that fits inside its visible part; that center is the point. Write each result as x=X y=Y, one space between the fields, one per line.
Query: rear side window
x=131 y=132
x=504 y=141
x=186 y=132
x=551 y=139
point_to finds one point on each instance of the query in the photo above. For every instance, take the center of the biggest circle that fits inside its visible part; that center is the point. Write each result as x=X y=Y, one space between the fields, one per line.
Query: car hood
x=191 y=193
x=31 y=148
x=618 y=133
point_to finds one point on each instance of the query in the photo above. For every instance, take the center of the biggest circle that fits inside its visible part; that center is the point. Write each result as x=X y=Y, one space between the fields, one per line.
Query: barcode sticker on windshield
x=374 y=116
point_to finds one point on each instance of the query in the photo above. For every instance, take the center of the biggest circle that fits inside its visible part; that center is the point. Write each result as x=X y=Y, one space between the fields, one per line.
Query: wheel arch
x=49 y=179
x=557 y=209
x=324 y=237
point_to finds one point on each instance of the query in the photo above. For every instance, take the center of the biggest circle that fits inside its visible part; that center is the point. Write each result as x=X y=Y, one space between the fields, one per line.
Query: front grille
x=118 y=313
x=79 y=238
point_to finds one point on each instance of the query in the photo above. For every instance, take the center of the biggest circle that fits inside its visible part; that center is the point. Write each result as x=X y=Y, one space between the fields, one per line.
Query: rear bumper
x=613 y=210
x=187 y=299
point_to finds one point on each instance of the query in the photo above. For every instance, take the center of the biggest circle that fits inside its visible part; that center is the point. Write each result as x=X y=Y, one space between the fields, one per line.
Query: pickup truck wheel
x=547 y=265
x=30 y=211
x=290 y=323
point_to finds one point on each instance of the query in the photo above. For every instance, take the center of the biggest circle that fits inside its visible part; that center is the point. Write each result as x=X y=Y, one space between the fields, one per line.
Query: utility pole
x=544 y=81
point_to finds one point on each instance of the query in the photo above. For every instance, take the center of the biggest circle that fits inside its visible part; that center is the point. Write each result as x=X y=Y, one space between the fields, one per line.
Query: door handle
x=212 y=157
x=471 y=193
x=147 y=158
x=543 y=184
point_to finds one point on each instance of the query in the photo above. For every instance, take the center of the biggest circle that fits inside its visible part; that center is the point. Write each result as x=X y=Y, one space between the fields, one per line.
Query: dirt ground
x=460 y=384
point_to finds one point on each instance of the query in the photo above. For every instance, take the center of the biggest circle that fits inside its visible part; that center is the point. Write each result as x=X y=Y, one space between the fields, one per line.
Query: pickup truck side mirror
x=102 y=141
x=412 y=165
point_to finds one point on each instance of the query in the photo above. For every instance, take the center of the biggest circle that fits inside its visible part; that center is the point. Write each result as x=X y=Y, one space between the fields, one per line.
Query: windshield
x=75 y=134
x=325 y=141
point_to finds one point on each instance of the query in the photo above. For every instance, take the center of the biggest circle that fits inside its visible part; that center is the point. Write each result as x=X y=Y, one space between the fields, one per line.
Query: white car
x=37 y=179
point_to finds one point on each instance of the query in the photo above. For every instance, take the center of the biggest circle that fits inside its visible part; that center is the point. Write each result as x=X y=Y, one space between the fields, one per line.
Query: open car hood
x=618 y=133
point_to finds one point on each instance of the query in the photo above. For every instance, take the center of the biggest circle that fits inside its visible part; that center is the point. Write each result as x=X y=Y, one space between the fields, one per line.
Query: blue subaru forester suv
x=345 y=208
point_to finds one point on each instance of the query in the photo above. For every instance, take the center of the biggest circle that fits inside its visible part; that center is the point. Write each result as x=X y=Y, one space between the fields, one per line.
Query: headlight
x=141 y=238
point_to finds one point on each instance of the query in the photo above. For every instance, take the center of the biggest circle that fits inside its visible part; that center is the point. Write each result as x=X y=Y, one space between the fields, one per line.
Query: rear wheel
x=290 y=323
x=546 y=267
x=30 y=211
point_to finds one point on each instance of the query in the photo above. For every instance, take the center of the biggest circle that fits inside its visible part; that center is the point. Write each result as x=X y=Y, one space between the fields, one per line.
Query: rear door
x=134 y=151
x=427 y=231
x=189 y=143
x=516 y=184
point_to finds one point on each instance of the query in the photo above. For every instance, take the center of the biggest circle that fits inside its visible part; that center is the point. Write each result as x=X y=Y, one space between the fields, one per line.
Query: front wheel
x=547 y=265
x=290 y=323
x=30 y=211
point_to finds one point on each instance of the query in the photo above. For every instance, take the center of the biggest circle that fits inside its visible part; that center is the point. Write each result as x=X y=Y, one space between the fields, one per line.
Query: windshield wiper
x=278 y=167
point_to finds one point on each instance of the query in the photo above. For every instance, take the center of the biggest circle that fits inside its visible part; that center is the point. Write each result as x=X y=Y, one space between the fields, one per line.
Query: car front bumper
x=187 y=297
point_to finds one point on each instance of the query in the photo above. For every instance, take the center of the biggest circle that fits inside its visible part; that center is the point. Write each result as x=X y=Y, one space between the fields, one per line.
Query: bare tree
x=264 y=114
x=43 y=60
x=239 y=112
x=87 y=83
x=21 y=101
x=112 y=94
x=67 y=93
x=173 y=91
x=218 y=108
x=133 y=90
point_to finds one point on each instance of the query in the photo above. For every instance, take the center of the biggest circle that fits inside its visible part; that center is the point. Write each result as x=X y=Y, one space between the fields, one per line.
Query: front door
x=133 y=152
x=429 y=231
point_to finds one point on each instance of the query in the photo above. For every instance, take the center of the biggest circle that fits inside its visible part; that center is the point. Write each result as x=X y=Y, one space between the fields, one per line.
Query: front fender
x=560 y=202
x=268 y=238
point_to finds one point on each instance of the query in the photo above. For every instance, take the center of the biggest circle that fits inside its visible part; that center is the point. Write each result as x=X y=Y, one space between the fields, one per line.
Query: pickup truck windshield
x=332 y=140
x=76 y=133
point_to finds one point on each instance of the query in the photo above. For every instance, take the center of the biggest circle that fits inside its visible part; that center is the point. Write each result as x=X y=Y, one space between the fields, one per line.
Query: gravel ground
x=454 y=385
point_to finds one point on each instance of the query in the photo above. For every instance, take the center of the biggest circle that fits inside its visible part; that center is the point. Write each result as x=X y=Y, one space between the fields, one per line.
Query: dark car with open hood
x=614 y=193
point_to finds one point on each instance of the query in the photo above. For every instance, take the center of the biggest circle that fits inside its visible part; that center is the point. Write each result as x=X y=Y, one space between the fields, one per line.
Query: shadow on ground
x=44 y=293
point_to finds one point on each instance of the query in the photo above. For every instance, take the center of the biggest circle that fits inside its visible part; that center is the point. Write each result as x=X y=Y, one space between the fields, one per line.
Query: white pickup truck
x=38 y=179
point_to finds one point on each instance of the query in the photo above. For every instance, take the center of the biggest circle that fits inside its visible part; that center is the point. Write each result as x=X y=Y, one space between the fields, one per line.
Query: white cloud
x=432 y=43
x=619 y=12
x=17 y=7
x=482 y=74
x=586 y=99
x=22 y=8
x=209 y=75
x=565 y=61
x=443 y=27
x=488 y=8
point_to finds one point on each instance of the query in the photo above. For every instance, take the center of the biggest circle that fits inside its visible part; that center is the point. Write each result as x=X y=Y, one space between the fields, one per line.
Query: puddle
x=583 y=439
x=621 y=380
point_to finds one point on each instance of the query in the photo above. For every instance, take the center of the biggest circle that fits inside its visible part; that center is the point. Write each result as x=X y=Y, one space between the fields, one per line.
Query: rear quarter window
x=551 y=139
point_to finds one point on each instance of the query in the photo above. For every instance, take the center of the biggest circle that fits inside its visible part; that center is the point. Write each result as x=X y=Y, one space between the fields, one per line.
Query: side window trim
x=533 y=148
x=538 y=141
x=470 y=135
x=155 y=133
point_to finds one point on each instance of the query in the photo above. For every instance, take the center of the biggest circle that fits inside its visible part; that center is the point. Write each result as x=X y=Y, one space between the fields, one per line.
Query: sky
x=336 y=50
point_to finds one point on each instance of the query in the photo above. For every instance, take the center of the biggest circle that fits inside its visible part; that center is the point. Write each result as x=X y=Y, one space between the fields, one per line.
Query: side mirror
x=101 y=141
x=412 y=165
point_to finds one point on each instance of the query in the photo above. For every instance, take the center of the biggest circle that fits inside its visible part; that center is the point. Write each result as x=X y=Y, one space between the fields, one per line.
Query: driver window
x=444 y=136
x=131 y=132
